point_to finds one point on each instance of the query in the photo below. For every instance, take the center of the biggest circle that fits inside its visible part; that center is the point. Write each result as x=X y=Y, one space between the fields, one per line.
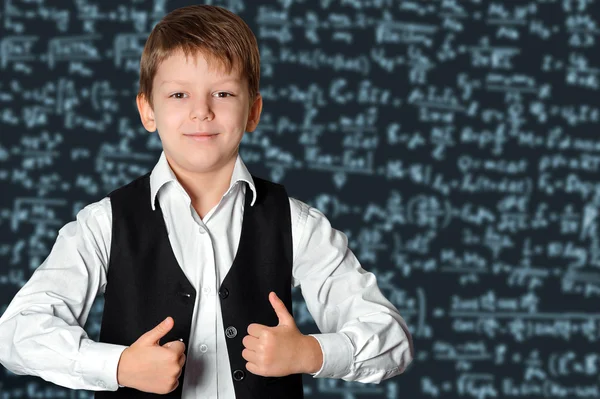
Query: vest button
x=223 y=293
x=239 y=375
x=230 y=332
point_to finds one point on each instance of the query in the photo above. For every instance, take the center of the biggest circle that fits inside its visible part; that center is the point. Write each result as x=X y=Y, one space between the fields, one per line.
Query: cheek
x=170 y=115
x=229 y=115
x=239 y=115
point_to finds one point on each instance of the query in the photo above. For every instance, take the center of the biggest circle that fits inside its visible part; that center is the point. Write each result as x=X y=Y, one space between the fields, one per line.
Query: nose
x=201 y=110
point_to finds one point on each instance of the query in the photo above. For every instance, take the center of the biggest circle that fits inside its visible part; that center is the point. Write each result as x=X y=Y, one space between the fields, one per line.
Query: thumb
x=285 y=318
x=153 y=336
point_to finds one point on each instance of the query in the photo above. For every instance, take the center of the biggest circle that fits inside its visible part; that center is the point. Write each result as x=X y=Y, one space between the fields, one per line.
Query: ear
x=254 y=114
x=146 y=113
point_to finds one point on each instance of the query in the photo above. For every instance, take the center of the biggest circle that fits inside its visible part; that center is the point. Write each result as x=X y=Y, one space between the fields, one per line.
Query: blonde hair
x=217 y=33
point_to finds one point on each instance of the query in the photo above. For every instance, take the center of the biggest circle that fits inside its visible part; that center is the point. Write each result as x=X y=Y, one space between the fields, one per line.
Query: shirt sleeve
x=363 y=336
x=41 y=330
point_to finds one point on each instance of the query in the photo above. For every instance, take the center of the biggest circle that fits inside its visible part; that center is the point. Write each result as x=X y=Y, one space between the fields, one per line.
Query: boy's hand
x=281 y=350
x=149 y=367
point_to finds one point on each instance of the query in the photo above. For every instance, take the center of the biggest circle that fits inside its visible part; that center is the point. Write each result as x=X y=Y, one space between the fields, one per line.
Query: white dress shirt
x=363 y=338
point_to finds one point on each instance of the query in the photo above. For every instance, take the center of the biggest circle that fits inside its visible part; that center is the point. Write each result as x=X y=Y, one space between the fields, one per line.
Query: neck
x=206 y=189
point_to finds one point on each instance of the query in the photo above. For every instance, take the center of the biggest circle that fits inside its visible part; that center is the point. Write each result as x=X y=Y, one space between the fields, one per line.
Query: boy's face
x=191 y=99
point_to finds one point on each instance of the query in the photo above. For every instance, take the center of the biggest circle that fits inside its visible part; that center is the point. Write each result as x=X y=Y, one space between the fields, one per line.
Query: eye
x=176 y=95
x=224 y=92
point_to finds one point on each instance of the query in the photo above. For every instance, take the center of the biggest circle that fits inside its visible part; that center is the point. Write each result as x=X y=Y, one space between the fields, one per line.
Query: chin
x=200 y=161
x=204 y=165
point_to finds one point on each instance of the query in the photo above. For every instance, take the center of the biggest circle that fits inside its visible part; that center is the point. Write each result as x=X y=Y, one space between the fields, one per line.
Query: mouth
x=202 y=136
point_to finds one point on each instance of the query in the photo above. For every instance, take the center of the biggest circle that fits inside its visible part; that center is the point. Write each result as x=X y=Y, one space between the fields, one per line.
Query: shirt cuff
x=98 y=364
x=337 y=355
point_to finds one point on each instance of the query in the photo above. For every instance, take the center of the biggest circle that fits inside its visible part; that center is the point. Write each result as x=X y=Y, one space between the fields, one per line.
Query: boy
x=201 y=255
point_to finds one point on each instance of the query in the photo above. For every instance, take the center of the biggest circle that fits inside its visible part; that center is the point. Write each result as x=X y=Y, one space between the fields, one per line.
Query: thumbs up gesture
x=281 y=350
x=149 y=367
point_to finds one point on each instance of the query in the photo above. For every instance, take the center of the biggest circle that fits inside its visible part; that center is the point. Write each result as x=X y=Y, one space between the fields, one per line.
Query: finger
x=153 y=336
x=249 y=355
x=282 y=313
x=182 y=360
x=256 y=330
x=253 y=368
x=175 y=346
x=250 y=342
x=176 y=385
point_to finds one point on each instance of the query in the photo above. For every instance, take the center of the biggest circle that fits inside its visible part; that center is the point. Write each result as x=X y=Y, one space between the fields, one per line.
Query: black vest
x=146 y=284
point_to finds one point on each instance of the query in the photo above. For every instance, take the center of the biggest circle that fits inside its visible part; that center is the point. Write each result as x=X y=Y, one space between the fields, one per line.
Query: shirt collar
x=163 y=174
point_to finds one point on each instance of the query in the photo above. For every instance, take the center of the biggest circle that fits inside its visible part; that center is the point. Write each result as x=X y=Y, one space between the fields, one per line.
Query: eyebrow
x=183 y=82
